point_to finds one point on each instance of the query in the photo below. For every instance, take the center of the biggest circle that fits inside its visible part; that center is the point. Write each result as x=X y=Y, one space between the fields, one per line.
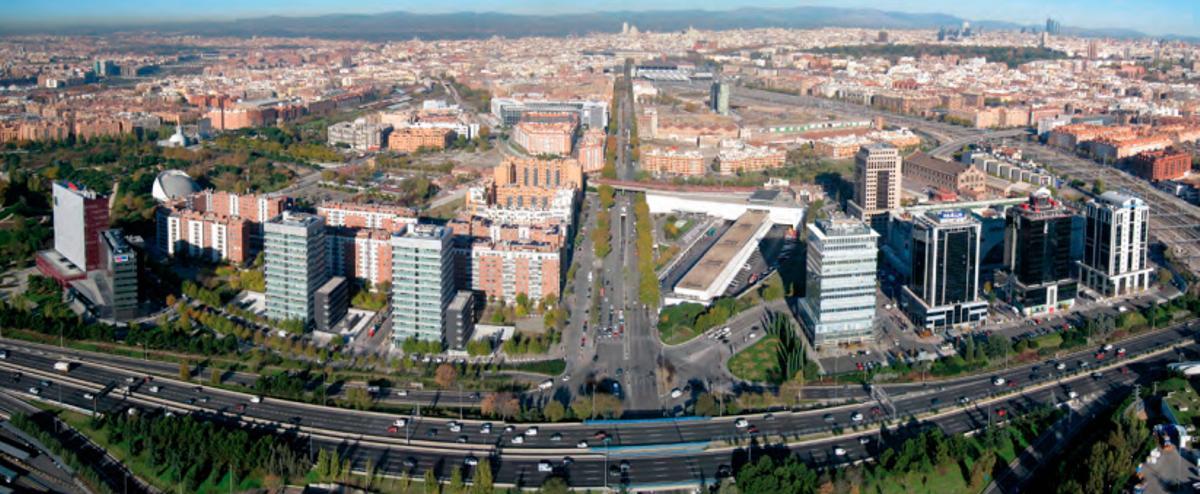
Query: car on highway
x=556 y=437
x=676 y=393
x=89 y=396
x=864 y=440
x=1060 y=366
x=401 y=392
x=518 y=440
x=532 y=431
x=567 y=461
x=410 y=462
x=1097 y=375
x=998 y=381
x=839 y=451
x=471 y=461
x=545 y=466
x=35 y=391
x=828 y=418
x=461 y=440
x=454 y=426
x=856 y=417
x=486 y=428
x=1001 y=412
x=154 y=389
x=3 y=354
x=255 y=399
x=741 y=423
x=581 y=445
x=600 y=435
x=1108 y=347
x=393 y=429
x=1072 y=395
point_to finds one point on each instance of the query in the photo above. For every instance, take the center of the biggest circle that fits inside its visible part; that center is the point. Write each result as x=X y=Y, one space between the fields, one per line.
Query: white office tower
x=1116 y=241
x=422 y=282
x=294 y=265
x=839 y=304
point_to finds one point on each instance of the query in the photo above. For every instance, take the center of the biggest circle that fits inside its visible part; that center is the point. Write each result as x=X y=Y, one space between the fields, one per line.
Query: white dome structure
x=173 y=184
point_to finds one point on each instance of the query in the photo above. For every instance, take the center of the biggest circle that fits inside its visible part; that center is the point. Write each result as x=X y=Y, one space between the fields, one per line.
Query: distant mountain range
x=406 y=25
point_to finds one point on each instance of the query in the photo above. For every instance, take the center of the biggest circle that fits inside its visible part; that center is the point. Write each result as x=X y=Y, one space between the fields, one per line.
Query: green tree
x=706 y=405
x=431 y=483
x=481 y=482
x=607 y=406
x=456 y=485
x=555 y=411
x=554 y=485
x=581 y=407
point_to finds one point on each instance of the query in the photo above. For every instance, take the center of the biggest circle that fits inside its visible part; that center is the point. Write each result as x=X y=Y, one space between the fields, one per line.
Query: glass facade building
x=1038 y=244
x=294 y=265
x=422 y=283
x=943 y=288
x=839 y=303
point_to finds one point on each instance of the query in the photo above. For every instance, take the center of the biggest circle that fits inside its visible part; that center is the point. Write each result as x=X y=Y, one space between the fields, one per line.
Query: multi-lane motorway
x=658 y=451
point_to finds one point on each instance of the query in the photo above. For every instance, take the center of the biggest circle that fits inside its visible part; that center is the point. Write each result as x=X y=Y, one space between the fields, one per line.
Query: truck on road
x=63 y=366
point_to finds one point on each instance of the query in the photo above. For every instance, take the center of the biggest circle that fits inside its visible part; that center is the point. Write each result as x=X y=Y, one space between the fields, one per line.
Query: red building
x=1164 y=164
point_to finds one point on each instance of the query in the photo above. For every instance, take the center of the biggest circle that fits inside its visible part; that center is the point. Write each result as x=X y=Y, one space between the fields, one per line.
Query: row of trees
x=966 y=464
x=1107 y=463
x=648 y=290
x=792 y=359
x=698 y=317
x=190 y=449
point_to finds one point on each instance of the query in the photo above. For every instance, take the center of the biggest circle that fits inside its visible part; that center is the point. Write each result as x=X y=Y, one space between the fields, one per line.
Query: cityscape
x=740 y=249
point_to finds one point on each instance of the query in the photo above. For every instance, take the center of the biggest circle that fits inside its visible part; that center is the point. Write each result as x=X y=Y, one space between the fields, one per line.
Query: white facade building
x=1115 y=245
x=839 y=306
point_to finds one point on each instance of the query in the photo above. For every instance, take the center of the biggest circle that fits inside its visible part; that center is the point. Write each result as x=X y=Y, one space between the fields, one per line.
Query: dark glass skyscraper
x=944 y=286
x=1037 y=252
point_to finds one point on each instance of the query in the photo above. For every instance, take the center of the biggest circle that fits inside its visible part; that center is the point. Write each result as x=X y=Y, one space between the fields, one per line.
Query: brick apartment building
x=1164 y=164
x=373 y=216
x=541 y=138
x=672 y=161
x=738 y=158
x=410 y=139
x=216 y=225
x=590 y=151
x=945 y=175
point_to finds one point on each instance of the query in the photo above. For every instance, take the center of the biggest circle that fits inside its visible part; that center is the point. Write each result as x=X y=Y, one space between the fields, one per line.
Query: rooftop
x=705 y=272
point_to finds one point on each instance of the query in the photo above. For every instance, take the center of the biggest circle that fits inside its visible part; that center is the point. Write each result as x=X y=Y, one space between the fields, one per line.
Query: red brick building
x=410 y=139
x=1164 y=164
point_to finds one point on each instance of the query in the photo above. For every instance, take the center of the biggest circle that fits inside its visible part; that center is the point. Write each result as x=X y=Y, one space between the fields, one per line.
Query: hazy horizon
x=1163 y=17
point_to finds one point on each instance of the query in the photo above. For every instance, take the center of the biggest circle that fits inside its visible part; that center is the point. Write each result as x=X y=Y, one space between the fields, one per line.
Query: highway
x=660 y=452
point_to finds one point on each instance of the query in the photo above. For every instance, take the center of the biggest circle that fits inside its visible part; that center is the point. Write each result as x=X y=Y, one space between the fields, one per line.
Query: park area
x=758 y=362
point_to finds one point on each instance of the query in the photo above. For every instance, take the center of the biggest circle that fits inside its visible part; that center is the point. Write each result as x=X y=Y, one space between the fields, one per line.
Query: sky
x=1156 y=17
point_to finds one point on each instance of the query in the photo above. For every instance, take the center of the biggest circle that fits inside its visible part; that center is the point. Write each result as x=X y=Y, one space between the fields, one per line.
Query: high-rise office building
x=1052 y=26
x=294 y=265
x=422 y=283
x=943 y=289
x=79 y=217
x=1115 y=244
x=718 y=98
x=119 y=284
x=839 y=304
x=1037 y=254
x=877 y=175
